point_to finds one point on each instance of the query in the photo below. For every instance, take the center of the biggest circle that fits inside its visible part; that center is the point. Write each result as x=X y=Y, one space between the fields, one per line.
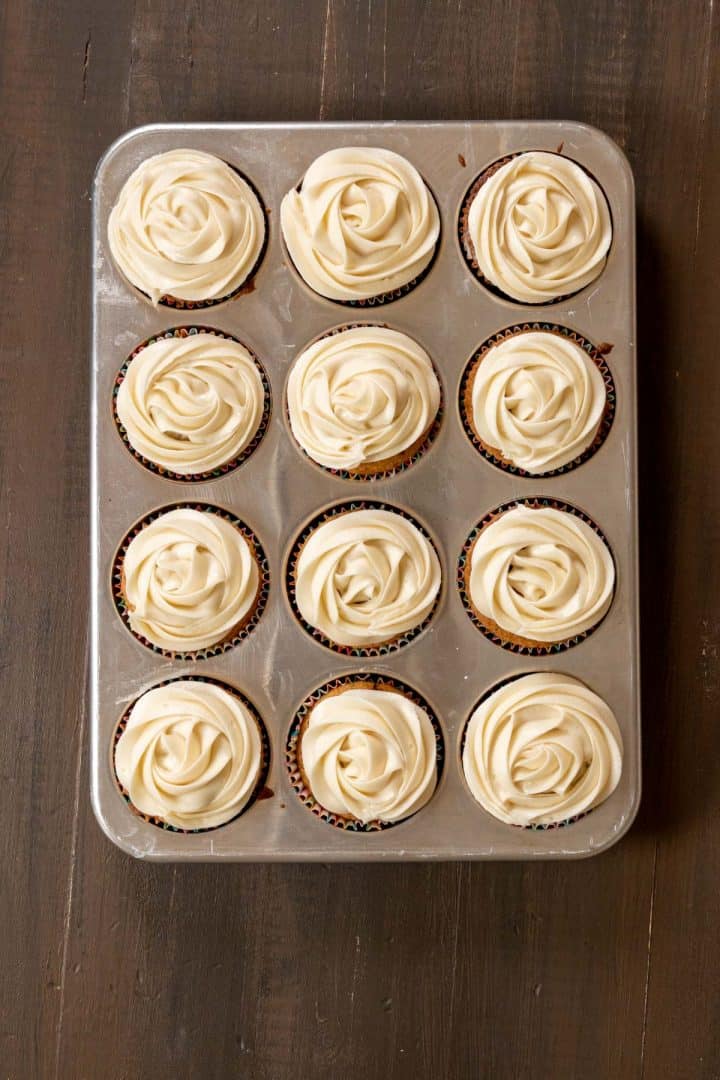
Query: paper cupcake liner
x=248 y=624
x=221 y=470
x=421 y=446
x=295 y=774
x=260 y=785
x=523 y=828
x=522 y=649
x=596 y=354
x=370 y=651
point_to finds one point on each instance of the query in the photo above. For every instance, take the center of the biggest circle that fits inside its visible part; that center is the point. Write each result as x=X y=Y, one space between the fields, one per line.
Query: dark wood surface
x=601 y=969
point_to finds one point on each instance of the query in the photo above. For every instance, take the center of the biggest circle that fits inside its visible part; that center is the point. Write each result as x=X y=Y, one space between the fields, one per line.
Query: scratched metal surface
x=449 y=490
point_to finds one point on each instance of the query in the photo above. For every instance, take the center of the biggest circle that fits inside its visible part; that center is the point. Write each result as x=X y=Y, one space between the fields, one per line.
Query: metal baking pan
x=450 y=489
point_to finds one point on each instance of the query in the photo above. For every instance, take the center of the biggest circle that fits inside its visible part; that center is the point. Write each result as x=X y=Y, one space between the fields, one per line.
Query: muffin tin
x=450 y=489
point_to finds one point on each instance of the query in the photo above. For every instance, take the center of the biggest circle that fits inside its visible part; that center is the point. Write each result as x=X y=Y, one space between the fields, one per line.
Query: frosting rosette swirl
x=190 y=579
x=369 y=754
x=542 y=749
x=365 y=577
x=186 y=227
x=537 y=400
x=362 y=224
x=191 y=404
x=540 y=228
x=361 y=397
x=190 y=754
x=541 y=575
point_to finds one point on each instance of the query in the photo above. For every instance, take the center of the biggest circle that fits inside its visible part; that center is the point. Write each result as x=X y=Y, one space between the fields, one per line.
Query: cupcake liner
x=249 y=622
x=466 y=385
x=381 y=648
x=523 y=647
x=259 y=788
x=292 y=758
x=221 y=470
x=399 y=463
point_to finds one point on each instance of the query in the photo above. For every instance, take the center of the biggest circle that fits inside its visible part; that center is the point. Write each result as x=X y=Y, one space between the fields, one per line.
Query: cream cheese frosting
x=190 y=578
x=191 y=754
x=542 y=749
x=542 y=575
x=369 y=754
x=364 y=577
x=191 y=404
x=186 y=226
x=540 y=228
x=538 y=399
x=361 y=396
x=362 y=224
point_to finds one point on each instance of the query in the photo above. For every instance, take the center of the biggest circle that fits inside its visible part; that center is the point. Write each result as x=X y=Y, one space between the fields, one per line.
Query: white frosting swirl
x=369 y=754
x=190 y=754
x=540 y=228
x=191 y=404
x=542 y=749
x=538 y=399
x=361 y=397
x=189 y=579
x=541 y=574
x=365 y=577
x=186 y=226
x=363 y=223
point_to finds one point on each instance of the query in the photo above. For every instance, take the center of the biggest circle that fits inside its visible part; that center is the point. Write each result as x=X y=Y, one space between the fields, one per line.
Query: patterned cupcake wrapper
x=247 y=626
x=537 y=648
x=597 y=355
x=295 y=774
x=221 y=470
x=401 y=466
x=371 y=651
x=260 y=785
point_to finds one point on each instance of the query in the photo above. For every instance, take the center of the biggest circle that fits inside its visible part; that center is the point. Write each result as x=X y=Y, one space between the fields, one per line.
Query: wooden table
x=601 y=969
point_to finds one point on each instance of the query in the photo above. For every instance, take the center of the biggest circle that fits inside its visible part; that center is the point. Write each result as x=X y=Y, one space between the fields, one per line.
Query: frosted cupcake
x=190 y=754
x=363 y=401
x=192 y=403
x=187 y=230
x=362 y=226
x=536 y=576
x=364 y=580
x=541 y=750
x=536 y=227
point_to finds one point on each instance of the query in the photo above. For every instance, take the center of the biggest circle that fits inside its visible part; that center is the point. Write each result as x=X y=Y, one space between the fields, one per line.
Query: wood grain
x=606 y=968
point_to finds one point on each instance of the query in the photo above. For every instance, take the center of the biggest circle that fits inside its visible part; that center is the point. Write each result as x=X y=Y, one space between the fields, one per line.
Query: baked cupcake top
x=537 y=400
x=361 y=396
x=190 y=754
x=541 y=575
x=369 y=754
x=365 y=577
x=540 y=228
x=186 y=226
x=362 y=224
x=541 y=749
x=190 y=578
x=191 y=404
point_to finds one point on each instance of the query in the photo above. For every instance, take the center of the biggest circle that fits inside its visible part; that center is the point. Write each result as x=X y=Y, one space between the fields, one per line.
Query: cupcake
x=364 y=753
x=536 y=227
x=190 y=754
x=536 y=576
x=541 y=750
x=536 y=399
x=362 y=226
x=363 y=401
x=364 y=580
x=187 y=230
x=190 y=580
x=192 y=403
